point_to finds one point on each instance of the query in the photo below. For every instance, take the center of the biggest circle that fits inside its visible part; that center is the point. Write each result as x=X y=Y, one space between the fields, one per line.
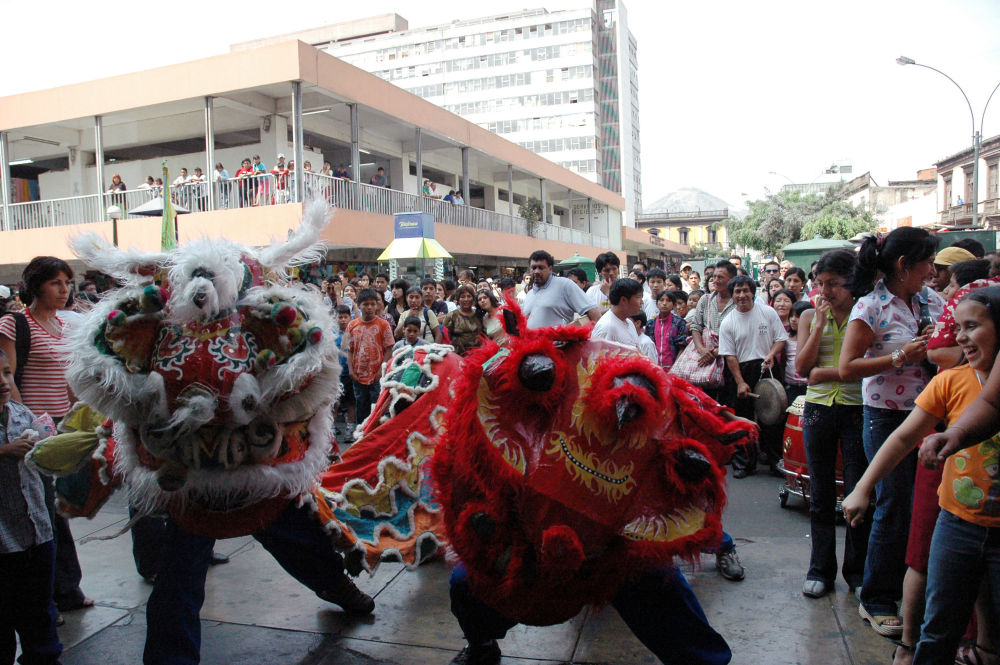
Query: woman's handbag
x=686 y=366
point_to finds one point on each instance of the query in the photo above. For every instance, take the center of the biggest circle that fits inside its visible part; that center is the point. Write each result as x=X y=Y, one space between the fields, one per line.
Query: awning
x=414 y=248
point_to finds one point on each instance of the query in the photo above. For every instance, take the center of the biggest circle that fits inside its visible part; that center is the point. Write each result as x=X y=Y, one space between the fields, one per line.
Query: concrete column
x=420 y=162
x=6 y=194
x=99 y=164
x=590 y=215
x=273 y=138
x=297 y=140
x=77 y=159
x=545 y=203
x=510 y=189
x=569 y=199
x=210 y=151
x=355 y=144
x=397 y=171
x=465 y=174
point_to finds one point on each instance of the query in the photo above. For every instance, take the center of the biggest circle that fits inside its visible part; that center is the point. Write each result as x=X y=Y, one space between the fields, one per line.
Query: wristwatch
x=898 y=358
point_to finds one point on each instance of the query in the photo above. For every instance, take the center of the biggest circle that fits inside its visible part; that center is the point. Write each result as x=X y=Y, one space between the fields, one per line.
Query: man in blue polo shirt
x=554 y=300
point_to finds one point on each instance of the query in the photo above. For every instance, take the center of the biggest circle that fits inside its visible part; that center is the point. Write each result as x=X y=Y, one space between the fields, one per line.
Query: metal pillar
x=5 y=190
x=976 y=136
x=465 y=175
x=420 y=163
x=355 y=144
x=99 y=165
x=210 y=151
x=510 y=189
x=297 y=140
x=541 y=182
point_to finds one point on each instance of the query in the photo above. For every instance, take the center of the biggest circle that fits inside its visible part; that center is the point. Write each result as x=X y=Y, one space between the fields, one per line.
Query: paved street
x=256 y=614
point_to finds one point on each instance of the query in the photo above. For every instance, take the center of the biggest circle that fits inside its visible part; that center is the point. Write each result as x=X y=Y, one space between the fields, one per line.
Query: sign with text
x=413 y=225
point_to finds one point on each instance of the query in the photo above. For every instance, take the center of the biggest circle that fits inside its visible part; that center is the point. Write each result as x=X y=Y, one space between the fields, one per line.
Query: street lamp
x=977 y=136
x=115 y=213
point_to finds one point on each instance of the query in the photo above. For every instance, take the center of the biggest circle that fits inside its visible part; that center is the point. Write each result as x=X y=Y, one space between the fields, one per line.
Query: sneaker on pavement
x=349 y=597
x=487 y=654
x=729 y=565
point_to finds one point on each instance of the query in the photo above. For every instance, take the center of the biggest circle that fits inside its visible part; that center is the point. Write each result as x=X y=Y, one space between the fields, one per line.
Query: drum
x=793 y=463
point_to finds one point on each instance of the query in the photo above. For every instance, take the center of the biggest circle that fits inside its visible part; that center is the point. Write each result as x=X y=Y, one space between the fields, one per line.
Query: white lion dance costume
x=219 y=379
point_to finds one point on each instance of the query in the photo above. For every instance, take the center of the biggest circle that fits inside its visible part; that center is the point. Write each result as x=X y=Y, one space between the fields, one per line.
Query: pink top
x=43 y=384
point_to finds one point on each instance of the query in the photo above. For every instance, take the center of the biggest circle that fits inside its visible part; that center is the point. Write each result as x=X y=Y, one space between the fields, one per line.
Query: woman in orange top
x=965 y=549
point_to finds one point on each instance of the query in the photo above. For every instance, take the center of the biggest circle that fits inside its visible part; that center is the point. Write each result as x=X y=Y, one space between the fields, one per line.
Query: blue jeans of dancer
x=886 y=561
x=173 y=633
x=962 y=556
x=658 y=606
x=26 y=607
x=824 y=429
x=365 y=396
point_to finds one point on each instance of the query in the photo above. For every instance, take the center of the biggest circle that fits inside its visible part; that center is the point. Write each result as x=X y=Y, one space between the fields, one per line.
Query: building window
x=713 y=236
x=683 y=233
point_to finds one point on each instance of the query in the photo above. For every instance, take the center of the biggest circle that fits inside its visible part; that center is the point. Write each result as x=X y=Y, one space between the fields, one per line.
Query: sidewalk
x=256 y=614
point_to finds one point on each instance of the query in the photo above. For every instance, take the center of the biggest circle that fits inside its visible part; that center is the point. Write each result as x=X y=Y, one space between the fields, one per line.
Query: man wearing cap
x=946 y=258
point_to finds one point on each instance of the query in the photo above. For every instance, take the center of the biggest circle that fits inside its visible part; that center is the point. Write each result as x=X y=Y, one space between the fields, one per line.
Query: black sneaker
x=729 y=565
x=352 y=599
x=487 y=654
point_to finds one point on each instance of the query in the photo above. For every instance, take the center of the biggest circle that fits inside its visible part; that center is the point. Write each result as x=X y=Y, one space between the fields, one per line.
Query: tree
x=531 y=211
x=790 y=216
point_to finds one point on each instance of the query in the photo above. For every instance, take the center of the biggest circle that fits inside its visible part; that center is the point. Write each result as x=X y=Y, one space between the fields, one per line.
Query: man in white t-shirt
x=607 y=265
x=750 y=338
x=615 y=324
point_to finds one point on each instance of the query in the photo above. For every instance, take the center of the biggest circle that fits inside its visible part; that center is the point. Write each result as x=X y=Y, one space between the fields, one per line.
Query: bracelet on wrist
x=964 y=431
x=898 y=358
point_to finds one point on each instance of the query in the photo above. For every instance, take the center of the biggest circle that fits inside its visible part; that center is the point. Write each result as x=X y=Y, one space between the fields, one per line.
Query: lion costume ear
x=513 y=318
x=130 y=266
x=303 y=245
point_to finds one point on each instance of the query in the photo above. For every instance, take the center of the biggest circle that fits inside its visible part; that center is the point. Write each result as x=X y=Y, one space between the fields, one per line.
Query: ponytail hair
x=879 y=253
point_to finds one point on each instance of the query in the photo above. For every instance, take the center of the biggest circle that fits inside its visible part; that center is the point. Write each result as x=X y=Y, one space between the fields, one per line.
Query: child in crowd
x=964 y=551
x=27 y=550
x=346 y=388
x=668 y=331
x=412 y=328
x=646 y=345
x=692 y=302
x=681 y=307
x=795 y=384
x=369 y=341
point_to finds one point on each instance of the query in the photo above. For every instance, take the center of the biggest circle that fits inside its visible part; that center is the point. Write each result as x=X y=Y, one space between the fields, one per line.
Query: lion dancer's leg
x=173 y=629
x=662 y=611
x=298 y=542
x=658 y=606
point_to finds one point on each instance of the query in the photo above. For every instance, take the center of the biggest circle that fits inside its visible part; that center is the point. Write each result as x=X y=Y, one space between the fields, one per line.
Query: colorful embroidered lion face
x=218 y=377
x=570 y=463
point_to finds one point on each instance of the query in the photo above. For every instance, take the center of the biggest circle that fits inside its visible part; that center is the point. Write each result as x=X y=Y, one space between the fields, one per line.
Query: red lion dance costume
x=570 y=466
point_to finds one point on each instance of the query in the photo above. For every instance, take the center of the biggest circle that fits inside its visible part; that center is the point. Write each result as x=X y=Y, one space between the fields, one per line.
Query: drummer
x=750 y=338
x=832 y=417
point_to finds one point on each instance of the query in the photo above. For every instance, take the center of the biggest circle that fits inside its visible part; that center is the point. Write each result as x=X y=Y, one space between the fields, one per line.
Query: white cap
x=4 y=291
x=281 y=155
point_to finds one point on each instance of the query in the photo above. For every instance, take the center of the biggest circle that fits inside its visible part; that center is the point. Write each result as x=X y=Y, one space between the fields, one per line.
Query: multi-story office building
x=562 y=84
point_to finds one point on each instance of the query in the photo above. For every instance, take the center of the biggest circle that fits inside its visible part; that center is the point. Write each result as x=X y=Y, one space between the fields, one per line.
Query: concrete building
x=66 y=143
x=898 y=202
x=562 y=84
x=954 y=186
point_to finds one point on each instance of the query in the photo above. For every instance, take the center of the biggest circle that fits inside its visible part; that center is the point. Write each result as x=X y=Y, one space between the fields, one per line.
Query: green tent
x=577 y=261
x=803 y=253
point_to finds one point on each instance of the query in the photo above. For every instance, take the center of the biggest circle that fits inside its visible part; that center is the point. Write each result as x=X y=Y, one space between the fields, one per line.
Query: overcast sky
x=730 y=90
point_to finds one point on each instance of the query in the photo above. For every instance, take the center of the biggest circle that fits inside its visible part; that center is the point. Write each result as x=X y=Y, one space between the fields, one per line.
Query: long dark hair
x=913 y=245
x=40 y=270
x=838 y=261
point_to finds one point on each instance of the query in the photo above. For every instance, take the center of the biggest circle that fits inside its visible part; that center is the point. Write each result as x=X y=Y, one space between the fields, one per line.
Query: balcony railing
x=691 y=214
x=268 y=190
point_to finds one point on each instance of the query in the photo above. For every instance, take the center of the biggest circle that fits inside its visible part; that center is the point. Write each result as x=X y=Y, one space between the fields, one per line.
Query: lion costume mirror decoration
x=218 y=376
